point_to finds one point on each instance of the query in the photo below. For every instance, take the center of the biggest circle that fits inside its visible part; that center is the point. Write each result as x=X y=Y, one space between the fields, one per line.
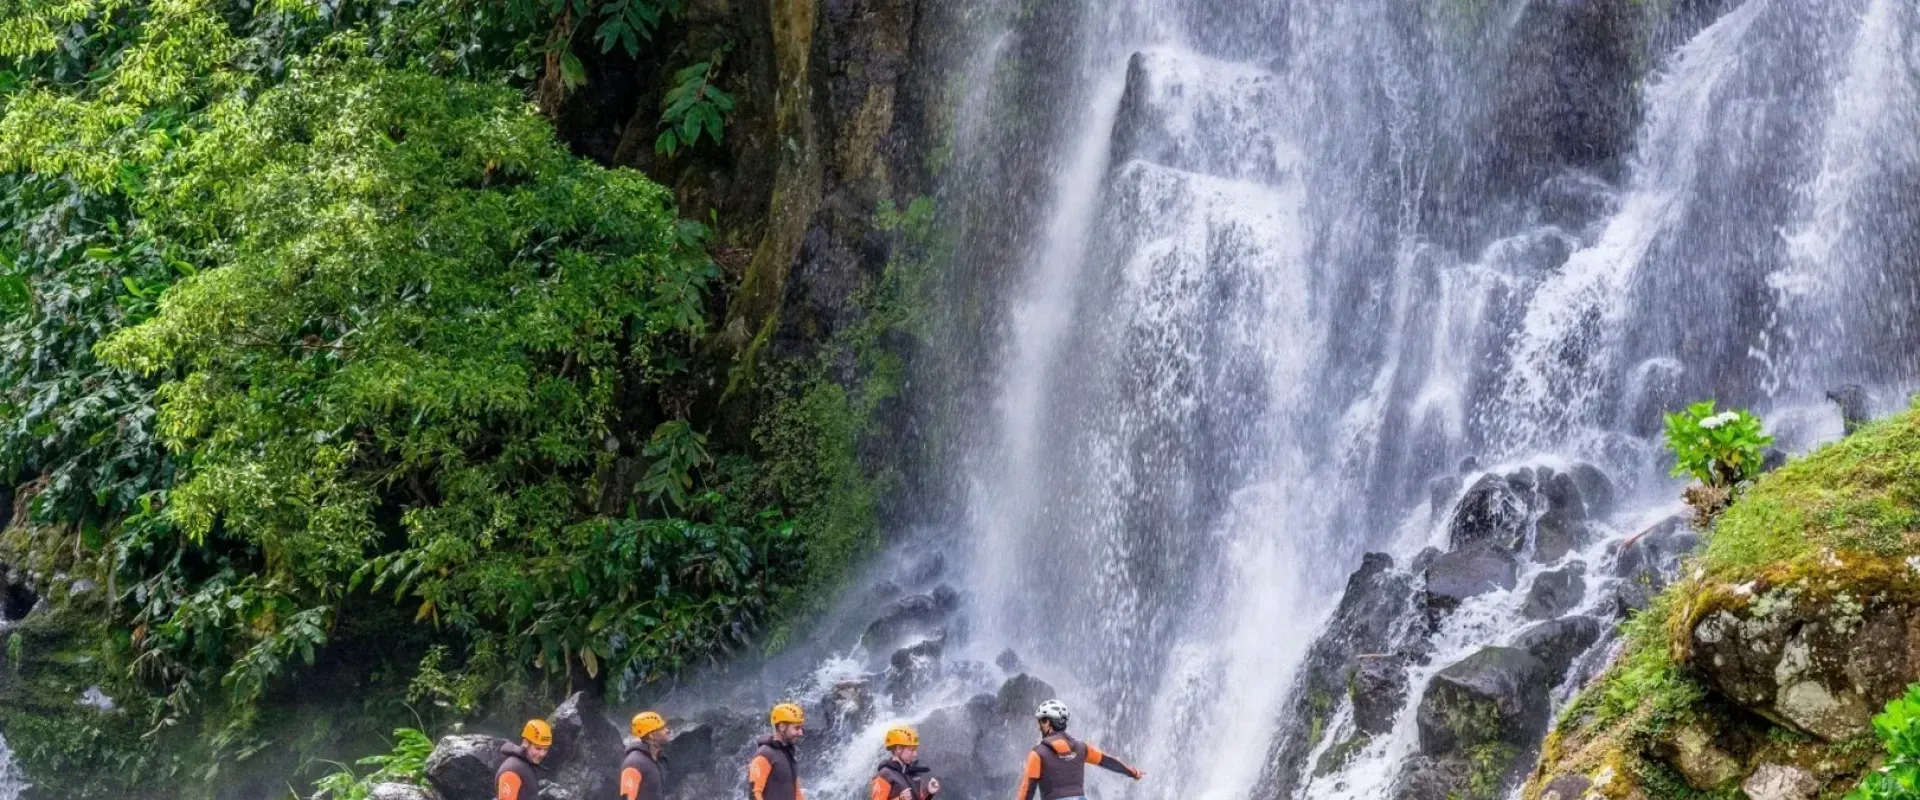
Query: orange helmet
x=538 y=733
x=788 y=713
x=647 y=722
x=902 y=736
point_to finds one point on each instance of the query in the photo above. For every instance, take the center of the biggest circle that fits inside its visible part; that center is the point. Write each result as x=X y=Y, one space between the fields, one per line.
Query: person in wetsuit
x=1057 y=766
x=774 y=772
x=899 y=778
x=515 y=779
x=642 y=771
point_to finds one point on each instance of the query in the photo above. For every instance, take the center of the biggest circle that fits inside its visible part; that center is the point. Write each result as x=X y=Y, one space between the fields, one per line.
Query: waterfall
x=1277 y=281
x=12 y=783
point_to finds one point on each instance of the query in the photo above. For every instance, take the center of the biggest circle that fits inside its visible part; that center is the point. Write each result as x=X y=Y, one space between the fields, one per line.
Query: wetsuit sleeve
x=757 y=773
x=1030 y=778
x=881 y=789
x=630 y=783
x=1109 y=763
x=507 y=786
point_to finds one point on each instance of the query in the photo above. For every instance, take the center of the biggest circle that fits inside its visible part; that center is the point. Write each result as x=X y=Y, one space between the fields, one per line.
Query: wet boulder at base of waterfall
x=1440 y=494
x=1461 y=575
x=400 y=791
x=1856 y=407
x=1556 y=592
x=461 y=767
x=1380 y=613
x=1562 y=528
x=848 y=705
x=1645 y=563
x=1596 y=489
x=1442 y=778
x=708 y=753
x=1378 y=690
x=584 y=744
x=912 y=669
x=1558 y=642
x=1492 y=512
x=914 y=614
x=1495 y=696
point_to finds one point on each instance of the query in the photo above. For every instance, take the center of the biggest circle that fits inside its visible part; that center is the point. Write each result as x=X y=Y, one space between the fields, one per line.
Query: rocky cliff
x=1761 y=668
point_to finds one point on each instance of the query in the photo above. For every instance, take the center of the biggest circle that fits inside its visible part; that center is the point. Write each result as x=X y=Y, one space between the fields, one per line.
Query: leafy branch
x=694 y=107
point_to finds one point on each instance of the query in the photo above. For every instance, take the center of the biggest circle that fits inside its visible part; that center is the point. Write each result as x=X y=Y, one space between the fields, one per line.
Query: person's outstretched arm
x=1111 y=764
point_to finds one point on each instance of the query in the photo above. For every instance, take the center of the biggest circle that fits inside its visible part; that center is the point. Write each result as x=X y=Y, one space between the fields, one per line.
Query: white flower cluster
x=1719 y=419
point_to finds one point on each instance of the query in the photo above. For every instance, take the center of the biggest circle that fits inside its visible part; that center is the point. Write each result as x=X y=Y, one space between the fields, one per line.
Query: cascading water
x=1295 y=261
x=11 y=782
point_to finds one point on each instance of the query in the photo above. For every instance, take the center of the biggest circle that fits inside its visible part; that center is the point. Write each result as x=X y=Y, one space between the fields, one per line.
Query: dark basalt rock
x=1463 y=574
x=584 y=743
x=1558 y=642
x=1379 y=613
x=914 y=614
x=1556 y=592
x=1497 y=695
x=912 y=669
x=1379 y=690
x=1492 y=512
x=707 y=752
x=1856 y=407
x=1430 y=778
x=1596 y=489
x=462 y=767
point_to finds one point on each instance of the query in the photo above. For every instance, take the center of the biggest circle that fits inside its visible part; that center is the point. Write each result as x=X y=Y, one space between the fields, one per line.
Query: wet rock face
x=1558 y=642
x=1555 y=592
x=1492 y=513
x=462 y=767
x=921 y=614
x=708 y=754
x=1464 y=574
x=976 y=749
x=1823 y=667
x=1430 y=778
x=584 y=744
x=1495 y=696
x=912 y=669
x=1379 y=614
x=1567 y=100
x=1379 y=690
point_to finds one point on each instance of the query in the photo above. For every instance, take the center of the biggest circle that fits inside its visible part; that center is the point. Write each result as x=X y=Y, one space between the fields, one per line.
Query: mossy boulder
x=1761 y=667
x=1497 y=695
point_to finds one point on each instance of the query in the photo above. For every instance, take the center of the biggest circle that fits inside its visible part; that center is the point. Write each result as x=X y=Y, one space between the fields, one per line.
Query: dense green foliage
x=406 y=763
x=1899 y=729
x=1718 y=449
x=326 y=356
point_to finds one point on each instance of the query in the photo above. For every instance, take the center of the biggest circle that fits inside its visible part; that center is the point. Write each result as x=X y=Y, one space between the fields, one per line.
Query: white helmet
x=1053 y=711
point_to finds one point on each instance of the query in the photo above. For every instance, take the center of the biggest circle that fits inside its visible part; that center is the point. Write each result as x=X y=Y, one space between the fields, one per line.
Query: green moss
x=1827 y=535
x=1490 y=763
x=1859 y=494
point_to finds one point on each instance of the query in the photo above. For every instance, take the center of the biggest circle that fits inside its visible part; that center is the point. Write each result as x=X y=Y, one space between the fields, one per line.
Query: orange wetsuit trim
x=508 y=787
x=757 y=772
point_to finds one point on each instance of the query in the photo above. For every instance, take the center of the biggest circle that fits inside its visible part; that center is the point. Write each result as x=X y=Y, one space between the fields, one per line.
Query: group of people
x=1055 y=768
